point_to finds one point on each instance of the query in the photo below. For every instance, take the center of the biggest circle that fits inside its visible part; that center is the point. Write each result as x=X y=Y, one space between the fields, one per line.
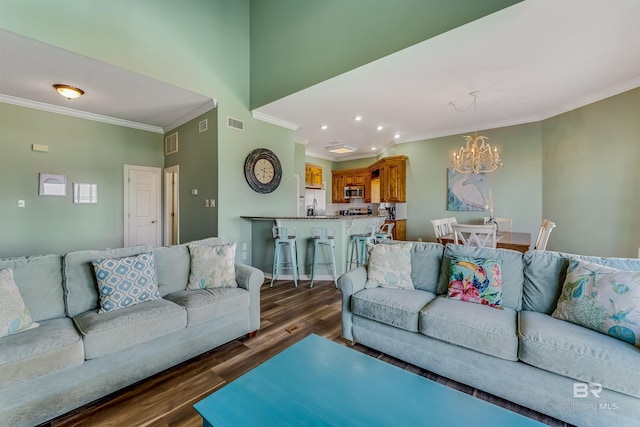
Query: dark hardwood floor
x=288 y=314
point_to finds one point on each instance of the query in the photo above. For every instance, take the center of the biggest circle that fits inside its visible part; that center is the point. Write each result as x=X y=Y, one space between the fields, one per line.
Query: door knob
x=153 y=222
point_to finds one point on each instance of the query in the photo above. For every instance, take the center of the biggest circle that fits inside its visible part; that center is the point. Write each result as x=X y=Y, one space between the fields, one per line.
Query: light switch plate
x=194 y=192
x=21 y=203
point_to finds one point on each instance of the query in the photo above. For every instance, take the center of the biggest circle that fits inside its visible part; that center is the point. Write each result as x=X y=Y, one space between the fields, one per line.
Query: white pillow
x=212 y=266
x=14 y=314
x=390 y=266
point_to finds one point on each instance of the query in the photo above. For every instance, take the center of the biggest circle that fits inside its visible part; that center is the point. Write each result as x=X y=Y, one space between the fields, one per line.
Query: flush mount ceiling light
x=341 y=149
x=68 y=92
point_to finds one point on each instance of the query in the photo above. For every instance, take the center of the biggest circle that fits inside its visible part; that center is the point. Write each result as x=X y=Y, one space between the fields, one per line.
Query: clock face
x=262 y=170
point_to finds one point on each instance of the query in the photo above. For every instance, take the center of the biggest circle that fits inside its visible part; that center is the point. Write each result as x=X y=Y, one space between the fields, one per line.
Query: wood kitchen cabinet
x=392 y=172
x=312 y=176
x=346 y=178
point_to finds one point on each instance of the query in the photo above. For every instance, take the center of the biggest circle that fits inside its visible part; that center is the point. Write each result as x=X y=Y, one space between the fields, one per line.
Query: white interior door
x=142 y=224
x=171 y=206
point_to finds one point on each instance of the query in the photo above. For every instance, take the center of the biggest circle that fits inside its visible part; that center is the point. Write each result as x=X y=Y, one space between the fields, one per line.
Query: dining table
x=519 y=241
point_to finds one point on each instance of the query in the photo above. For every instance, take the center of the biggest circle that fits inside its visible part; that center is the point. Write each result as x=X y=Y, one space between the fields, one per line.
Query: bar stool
x=324 y=237
x=359 y=246
x=285 y=242
x=384 y=232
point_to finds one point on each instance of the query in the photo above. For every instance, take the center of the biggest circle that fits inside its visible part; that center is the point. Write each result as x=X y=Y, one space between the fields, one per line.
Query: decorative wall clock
x=262 y=170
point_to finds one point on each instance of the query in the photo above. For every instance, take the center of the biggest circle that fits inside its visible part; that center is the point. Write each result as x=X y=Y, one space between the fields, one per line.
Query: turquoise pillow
x=601 y=298
x=124 y=282
x=476 y=280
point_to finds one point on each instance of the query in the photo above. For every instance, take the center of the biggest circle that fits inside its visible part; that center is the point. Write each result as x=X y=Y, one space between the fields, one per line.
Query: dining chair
x=443 y=227
x=543 y=236
x=481 y=236
x=504 y=223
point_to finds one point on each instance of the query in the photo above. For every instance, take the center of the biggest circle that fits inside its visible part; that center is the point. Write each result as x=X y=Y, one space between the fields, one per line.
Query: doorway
x=171 y=206
x=142 y=207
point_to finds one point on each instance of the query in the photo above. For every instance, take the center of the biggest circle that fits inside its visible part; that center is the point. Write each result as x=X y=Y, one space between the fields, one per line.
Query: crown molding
x=7 y=99
x=209 y=105
x=274 y=120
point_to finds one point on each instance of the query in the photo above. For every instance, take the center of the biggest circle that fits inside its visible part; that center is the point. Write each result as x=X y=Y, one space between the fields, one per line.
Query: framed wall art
x=466 y=191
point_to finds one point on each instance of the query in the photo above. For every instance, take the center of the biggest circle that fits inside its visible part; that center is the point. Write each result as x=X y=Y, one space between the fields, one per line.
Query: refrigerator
x=316 y=199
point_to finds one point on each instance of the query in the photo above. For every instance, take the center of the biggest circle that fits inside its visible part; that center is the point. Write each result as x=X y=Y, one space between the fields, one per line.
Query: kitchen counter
x=343 y=226
x=343 y=217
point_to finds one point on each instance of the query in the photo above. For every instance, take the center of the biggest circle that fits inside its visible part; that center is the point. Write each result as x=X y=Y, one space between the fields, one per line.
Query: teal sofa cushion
x=81 y=289
x=545 y=272
x=576 y=352
x=425 y=265
x=39 y=279
x=113 y=331
x=52 y=346
x=395 y=307
x=172 y=266
x=203 y=305
x=473 y=326
x=511 y=267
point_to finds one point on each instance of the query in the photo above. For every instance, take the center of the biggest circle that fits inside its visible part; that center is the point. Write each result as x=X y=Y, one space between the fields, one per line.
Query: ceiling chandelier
x=476 y=156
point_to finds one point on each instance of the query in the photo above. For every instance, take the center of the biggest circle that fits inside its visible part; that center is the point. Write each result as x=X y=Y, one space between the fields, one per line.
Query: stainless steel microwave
x=354 y=192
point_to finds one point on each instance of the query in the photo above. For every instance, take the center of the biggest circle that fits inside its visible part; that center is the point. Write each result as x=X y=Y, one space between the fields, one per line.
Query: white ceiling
x=529 y=62
x=29 y=68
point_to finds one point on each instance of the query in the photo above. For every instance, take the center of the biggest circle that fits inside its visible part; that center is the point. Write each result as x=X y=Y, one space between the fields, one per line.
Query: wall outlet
x=21 y=203
x=194 y=192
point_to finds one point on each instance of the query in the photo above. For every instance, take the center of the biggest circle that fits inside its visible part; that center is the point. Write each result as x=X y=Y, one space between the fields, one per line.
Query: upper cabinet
x=312 y=175
x=392 y=175
x=383 y=181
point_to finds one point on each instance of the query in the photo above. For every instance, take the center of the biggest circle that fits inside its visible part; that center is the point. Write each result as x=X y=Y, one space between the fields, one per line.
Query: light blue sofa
x=520 y=353
x=76 y=355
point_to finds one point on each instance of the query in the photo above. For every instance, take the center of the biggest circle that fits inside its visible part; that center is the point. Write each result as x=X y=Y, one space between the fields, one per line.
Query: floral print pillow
x=212 y=266
x=390 y=266
x=476 y=280
x=601 y=298
x=14 y=314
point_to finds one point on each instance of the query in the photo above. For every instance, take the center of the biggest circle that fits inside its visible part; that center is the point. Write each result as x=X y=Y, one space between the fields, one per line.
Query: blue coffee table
x=317 y=382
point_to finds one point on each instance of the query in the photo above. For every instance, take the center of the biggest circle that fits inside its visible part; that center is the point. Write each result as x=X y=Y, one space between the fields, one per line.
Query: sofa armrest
x=350 y=283
x=251 y=279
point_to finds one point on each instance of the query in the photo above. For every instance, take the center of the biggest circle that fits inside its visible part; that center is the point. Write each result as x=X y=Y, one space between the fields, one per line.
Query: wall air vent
x=171 y=143
x=203 y=125
x=235 y=123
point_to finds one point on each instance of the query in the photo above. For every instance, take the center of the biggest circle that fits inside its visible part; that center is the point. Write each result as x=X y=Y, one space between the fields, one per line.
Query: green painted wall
x=197 y=158
x=296 y=44
x=200 y=45
x=82 y=150
x=590 y=177
x=355 y=164
x=516 y=188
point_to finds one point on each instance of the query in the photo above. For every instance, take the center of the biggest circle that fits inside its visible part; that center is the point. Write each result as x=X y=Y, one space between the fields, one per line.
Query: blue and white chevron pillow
x=124 y=282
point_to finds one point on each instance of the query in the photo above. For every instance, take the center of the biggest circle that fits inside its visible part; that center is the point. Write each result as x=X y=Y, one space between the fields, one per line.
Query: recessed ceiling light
x=341 y=149
x=396 y=136
x=357 y=118
x=373 y=148
x=324 y=127
x=380 y=127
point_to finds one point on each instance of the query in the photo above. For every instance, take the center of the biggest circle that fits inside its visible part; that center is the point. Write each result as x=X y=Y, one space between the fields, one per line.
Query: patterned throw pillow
x=476 y=280
x=390 y=266
x=124 y=282
x=14 y=315
x=212 y=266
x=601 y=298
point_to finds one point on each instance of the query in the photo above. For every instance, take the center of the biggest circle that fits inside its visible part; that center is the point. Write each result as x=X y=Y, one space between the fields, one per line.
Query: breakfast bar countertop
x=343 y=217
